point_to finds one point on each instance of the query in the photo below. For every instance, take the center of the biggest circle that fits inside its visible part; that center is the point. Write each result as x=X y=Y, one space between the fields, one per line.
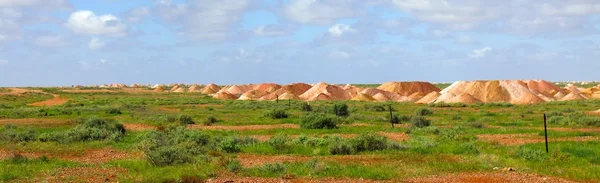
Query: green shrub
x=531 y=154
x=341 y=148
x=456 y=117
x=113 y=111
x=306 y=107
x=477 y=124
x=92 y=129
x=176 y=145
x=276 y=114
x=274 y=168
x=423 y=112
x=309 y=141
x=234 y=166
x=554 y=113
x=396 y=119
x=318 y=121
x=420 y=121
x=229 y=145
x=340 y=109
x=278 y=142
x=443 y=104
x=11 y=133
x=186 y=120
x=369 y=142
x=210 y=120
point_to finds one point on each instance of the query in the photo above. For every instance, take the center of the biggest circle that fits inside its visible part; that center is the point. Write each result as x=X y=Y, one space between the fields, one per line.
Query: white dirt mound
x=253 y=95
x=322 y=91
x=408 y=88
x=429 y=98
x=512 y=91
x=296 y=89
x=211 y=89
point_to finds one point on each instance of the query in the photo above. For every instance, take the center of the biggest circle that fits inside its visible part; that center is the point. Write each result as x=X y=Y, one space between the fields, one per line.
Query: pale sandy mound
x=253 y=95
x=572 y=96
x=513 y=91
x=288 y=96
x=407 y=88
x=429 y=98
x=194 y=88
x=135 y=86
x=415 y=96
x=486 y=91
x=573 y=89
x=296 y=89
x=238 y=89
x=331 y=91
x=520 y=93
x=159 y=89
x=542 y=86
x=210 y=89
x=353 y=90
x=176 y=87
x=224 y=96
x=559 y=95
x=381 y=97
x=384 y=95
x=363 y=97
x=445 y=97
x=267 y=87
x=180 y=90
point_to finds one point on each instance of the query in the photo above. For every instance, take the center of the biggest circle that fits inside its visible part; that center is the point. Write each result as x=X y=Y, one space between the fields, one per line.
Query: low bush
x=210 y=120
x=234 y=166
x=278 y=142
x=531 y=154
x=341 y=148
x=574 y=118
x=113 y=111
x=423 y=112
x=273 y=168
x=443 y=104
x=369 y=142
x=11 y=133
x=229 y=145
x=420 y=121
x=305 y=107
x=318 y=121
x=92 y=129
x=477 y=124
x=176 y=145
x=276 y=114
x=340 y=109
x=186 y=120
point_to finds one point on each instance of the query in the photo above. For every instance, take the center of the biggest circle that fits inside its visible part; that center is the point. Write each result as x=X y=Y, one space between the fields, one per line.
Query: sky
x=83 y=42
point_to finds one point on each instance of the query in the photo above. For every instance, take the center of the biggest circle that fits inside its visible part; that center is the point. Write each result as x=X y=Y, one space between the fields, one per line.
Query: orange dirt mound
x=210 y=89
x=159 y=89
x=253 y=95
x=407 y=88
x=363 y=97
x=296 y=89
x=237 y=89
x=542 y=86
x=194 y=88
x=381 y=95
x=179 y=90
x=353 y=90
x=513 y=91
x=415 y=96
x=288 y=96
x=429 y=98
x=267 y=87
x=461 y=98
x=324 y=91
x=224 y=96
x=572 y=96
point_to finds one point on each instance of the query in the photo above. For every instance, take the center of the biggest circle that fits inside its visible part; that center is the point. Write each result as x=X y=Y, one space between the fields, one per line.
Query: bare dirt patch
x=34 y=121
x=244 y=127
x=395 y=136
x=250 y=160
x=138 y=127
x=489 y=177
x=91 y=156
x=290 y=180
x=83 y=174
x=88 y=91
x=57 y=100
x=519 y=139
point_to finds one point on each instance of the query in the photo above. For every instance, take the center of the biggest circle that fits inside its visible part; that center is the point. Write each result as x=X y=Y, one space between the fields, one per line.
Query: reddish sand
x=324 y=91
x=407 y=88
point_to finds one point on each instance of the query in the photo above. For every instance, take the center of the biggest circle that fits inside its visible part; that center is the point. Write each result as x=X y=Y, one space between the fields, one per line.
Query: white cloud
x=319 y=11
x=86 y=22
x=50 y=41
x=273 y=30
x=137 y=14
x=102 y=61
x=480 y=53
x=3 y=62
x=340 y=29
x=204 y=19
x=96 y=43
x=338 y=55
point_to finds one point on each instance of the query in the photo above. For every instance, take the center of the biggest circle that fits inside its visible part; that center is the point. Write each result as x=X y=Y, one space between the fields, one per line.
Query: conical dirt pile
x=296 y=89
x=210 y=89
x=408 y=88
x=429 y=98
x=331 y=91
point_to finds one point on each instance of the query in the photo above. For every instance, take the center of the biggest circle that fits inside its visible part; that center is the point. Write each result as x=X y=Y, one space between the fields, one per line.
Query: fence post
x=546 y=132
x=391 y=115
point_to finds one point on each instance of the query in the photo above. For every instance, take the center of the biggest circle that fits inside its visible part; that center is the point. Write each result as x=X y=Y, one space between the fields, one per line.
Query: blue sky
x=70 y=42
